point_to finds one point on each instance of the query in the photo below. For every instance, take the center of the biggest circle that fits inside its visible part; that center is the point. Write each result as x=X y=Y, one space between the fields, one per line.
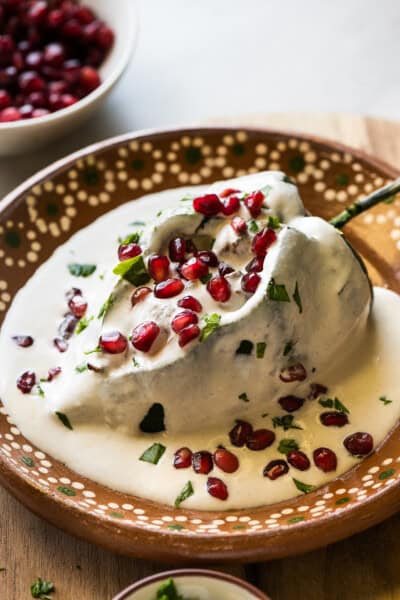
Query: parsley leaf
x=81 y=368
x=206 y=278
x=297 y=299
x=186 y=492
x=212 y=322
x=385 y=400
x=83 y=324
x=41 y=588
x=106 y=306
x=168 y=591
x=276 y=291
x=153 y=454
x=64 y=420
x=303 y=487
x=132 y=238
x=245 y=347
x=273 y=222
x=244 y=397
x=288 y=348
x=286 y=422
x=286 y=445
x=260 y=349
x=81 y=270
x=253 y=226
x=133 y=270
x=333 y=403
x=40 y=391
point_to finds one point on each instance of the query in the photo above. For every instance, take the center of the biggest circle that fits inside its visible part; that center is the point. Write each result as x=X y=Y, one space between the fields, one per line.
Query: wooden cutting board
x=365 y=567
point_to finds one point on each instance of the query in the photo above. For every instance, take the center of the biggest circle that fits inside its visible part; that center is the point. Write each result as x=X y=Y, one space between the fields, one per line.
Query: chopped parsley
x=245 y=347
x=135 y=362
x=94 y=351
x=253 y=226
x=153 y=454
x=81 y=270
x=81 y=368
x=385 y=401
x=41 y=589
x=297 y=299
x=273 y=222
x=133 y=270
x=138 y=224
x=277 y=292
x=286 y=422
x=260 y=349
x=244 y=397
x=187 y=198
x=168 y=591
x=303 y=487
x=333 y=403
x=106 y=306
x=212 y=322
x=83 y=324
x=286 y=445
x=288 y=348
x=27 y=461
x=64 y=420
x=153 y=421
x=40 y=390
x=186 y=492
x=159 y=213
x=206 y=278
x=132 y=238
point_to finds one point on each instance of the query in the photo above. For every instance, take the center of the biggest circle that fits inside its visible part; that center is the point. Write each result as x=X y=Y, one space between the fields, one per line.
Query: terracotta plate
x=48 y=208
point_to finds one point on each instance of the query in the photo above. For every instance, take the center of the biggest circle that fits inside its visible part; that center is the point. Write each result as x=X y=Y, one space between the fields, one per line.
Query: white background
x=201 y=59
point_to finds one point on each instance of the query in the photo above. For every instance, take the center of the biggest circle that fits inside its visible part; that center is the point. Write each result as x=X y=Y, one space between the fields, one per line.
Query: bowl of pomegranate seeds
x=191 y=584
x=196 y=363
x=59 y=59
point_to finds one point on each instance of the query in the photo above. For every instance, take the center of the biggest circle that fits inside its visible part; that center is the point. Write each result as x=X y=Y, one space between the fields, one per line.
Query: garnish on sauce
x=245 y=347
x=243 y=396
x=81 y=270
x=83 y=324
x=42 y=588
x=106 y=306
x=186 y=492
x=286 y=445
x=64 y=420
x=273 y=222
x=260 y=349
x=333 y=403
x=81 y=368
x=132 y=238
x=277 y=292
x=133 y=270
x=212 y=322
x=288 y=348
x=297 y=298
x=385 y=400
x=286 y=422
x=303 y=487
x=153 y=454
x=167 y=590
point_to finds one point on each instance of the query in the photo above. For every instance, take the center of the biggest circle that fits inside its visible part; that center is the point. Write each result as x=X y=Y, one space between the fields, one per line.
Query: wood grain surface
x=365 y=567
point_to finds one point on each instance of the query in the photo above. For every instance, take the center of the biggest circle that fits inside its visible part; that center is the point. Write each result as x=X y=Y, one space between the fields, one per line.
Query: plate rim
x=243 y=547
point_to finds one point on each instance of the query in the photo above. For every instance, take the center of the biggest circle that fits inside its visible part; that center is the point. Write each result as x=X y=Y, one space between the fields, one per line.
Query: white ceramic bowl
x=200 y=584
x=21 y=137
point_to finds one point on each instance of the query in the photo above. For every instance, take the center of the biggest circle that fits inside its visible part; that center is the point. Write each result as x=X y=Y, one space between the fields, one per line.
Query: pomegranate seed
x=7 y=115
x=325 y=459
x=37 y=99
x=126 y=251
x=40 y=112
x=291 y=403
x=194 y=268
x=218 y=287
x=177 y=249
x=275 y=469
x=7 y=45
x=53 y=372
x=33 y=60
x=316 y=389
x=231 y=205
x=72 y=29
x=260 y=439
x=240 y=433
x=73 y=292
x=67 y=326
x=37 y=12
x=90 y=32
x=84 y=15
x=239 y=225
x=226 y=460
x=60 y=344
x=202 y=462
x=54 y=54
x=89 y=79
x=256 y=264
x=26 y=381
x=334 y=419
x=71 y=71
x=359 y=443
x=113 y=342
x=217 y=488
x=208 y=258
x=298 y=460
x=228 y=192
x=293 y=373
x=105 y=37
x=140 y=294
x=144 y=335
x=57 y=87
x=5 y=99
x=55 y=18
x=183 y=319
x=191 y=303
x=26 y=111
x=24 y=341
x=262 y=241
x=254 y=202
x=30 y=81
x=158 y=267
x=182 y=458
x=67 y=100
x=78 y=306
x=168 y=288
x=224 y=269
x=250 y=282
x=188 y=334
x=209 y=205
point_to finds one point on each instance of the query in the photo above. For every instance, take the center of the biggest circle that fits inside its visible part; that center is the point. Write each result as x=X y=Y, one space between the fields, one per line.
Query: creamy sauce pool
x=110 y=455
